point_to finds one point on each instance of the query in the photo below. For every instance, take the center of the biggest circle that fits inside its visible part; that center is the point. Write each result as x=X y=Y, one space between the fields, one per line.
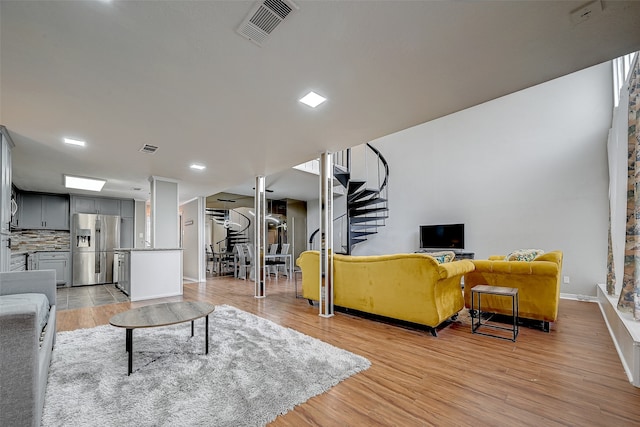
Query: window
x=621 y=69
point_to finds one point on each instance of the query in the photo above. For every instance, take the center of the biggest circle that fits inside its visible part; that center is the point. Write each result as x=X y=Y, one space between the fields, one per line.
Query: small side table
x=478 y=291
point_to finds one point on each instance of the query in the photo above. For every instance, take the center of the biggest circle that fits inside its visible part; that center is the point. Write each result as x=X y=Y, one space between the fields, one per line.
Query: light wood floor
x=571 y=376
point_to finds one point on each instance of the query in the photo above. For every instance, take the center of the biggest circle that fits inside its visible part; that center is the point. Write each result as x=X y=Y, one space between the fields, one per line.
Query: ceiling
x=176 y=74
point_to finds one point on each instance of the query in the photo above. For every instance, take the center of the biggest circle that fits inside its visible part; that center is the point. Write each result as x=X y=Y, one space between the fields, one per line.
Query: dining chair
x=210 y=259
x=270 y=262
x=251 y=260
x=243 y=261
x=285 y=266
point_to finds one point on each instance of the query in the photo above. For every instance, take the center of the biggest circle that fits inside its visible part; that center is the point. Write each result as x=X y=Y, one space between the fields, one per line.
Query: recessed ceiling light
x=81 y=183
x=312 y=99
x=198 y=167
x=74 y=142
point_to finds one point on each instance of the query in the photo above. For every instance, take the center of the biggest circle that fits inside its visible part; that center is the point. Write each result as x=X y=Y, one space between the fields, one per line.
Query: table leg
x=192 y=328
x=129 y=346
x=206 y=334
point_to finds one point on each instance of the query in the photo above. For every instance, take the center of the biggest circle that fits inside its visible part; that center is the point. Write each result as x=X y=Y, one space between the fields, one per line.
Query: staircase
x=367 y=207
x=235 y=223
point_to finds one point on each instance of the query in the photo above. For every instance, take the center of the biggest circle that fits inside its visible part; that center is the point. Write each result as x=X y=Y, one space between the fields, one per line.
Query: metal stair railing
x=367 y=207
x=235 y=234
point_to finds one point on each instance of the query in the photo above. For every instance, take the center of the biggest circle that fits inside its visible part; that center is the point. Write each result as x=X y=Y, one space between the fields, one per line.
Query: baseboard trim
x=578 y=297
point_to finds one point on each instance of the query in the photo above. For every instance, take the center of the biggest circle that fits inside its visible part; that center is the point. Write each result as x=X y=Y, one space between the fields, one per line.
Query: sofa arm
x=19 y=365
x=455 y=268
x=36 y=281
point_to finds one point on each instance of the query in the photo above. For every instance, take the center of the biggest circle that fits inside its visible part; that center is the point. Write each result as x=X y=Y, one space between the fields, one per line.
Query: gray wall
x=528 y=170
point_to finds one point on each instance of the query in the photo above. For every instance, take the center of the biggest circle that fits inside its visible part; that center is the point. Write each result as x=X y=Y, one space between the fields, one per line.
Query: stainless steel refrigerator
x=93 y=239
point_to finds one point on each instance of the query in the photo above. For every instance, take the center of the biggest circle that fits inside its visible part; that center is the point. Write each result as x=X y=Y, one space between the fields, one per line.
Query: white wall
x=528 y=170
x=193 y=240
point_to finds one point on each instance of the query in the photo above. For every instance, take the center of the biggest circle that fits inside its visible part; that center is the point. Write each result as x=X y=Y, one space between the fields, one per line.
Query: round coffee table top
x=163 y=314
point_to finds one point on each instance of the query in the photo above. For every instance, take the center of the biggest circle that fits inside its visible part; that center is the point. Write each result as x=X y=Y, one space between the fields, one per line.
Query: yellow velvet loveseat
x=537 y=281
x=408 y=287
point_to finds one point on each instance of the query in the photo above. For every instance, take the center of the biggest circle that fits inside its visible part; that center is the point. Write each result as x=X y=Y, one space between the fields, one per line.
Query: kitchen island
x=152 y=272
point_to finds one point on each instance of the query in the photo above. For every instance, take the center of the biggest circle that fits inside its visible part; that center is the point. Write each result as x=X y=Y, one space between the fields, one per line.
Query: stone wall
x=40 y=240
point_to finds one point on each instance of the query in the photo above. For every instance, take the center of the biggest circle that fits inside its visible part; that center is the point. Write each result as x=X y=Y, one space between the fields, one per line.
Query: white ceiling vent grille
x=264 y=17
x=149 y=149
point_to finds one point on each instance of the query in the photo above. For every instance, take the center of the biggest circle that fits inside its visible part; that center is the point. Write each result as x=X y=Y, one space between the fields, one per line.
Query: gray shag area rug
x=255 y=371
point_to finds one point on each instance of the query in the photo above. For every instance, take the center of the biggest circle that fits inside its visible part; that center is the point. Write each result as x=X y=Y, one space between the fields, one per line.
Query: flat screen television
x=442 y=236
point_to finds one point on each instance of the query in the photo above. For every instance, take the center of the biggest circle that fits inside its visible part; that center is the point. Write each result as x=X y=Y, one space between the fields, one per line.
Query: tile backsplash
x=40 y=240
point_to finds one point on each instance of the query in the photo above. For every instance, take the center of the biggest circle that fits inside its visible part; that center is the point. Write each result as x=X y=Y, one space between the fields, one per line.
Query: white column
x=326 y=235
x=165 y=219
x=259 y=240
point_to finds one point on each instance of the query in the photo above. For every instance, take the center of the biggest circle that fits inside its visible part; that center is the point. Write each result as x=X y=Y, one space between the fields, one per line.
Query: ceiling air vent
x=263 y=18
x=149 y=149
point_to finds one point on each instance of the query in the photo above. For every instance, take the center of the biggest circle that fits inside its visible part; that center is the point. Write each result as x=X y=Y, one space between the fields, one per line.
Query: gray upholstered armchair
x=27 y=303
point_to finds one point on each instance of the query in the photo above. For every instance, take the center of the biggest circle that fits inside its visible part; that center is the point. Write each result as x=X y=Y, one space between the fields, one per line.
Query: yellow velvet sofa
x=537 y=281
x=408 y=287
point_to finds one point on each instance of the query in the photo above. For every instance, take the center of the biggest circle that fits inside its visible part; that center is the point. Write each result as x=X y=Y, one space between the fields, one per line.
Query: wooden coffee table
x=151 y=316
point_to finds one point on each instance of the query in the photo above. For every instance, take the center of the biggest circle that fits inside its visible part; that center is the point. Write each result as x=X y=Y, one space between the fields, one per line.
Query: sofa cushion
x=524 y=255
x=39 y=301
x=442 y=256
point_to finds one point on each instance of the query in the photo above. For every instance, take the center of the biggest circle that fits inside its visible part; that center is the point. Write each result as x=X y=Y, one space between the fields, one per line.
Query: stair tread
x=354 y=186
x=361 y=194
x=360 y=212
x=362 y=233
x=355 y=220
x=367 y=202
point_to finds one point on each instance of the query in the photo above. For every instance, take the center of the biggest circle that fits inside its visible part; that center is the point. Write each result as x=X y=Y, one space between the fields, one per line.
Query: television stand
x=460 y=253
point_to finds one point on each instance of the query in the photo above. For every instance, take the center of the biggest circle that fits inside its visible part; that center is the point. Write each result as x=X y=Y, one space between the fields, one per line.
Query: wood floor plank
x=570 y=376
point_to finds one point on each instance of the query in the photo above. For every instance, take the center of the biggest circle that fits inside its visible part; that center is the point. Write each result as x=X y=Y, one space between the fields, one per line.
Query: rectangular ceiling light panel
x=80 y=183
x=77 y=142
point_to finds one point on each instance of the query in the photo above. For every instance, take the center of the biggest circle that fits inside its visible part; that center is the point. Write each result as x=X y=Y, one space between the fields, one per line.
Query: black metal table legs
x=129 y=346
x=129 y=343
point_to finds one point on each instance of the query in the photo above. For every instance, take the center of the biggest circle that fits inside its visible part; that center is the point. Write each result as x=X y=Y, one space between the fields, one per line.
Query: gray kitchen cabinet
x=55 y=212
x=127 y=208
x=83 y=204
x=30 y=211
x=19 y=261
x=58 y=261
x=126 y=233
x=5 y=259
x=108 y=206
x=127 y=221
x=124 y=272
x=96 y=205
x=43 y=211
